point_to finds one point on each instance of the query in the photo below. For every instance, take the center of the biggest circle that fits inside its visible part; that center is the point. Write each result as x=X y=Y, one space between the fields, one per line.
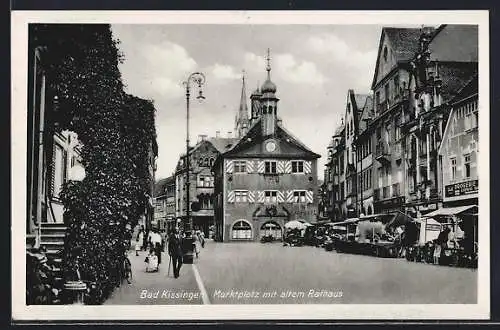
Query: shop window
x=240 y=166
x=270 y=167
x=241 y=230
x=297 y=166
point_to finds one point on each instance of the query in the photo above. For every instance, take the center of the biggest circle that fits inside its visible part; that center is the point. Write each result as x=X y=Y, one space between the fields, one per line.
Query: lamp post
x=199 y=79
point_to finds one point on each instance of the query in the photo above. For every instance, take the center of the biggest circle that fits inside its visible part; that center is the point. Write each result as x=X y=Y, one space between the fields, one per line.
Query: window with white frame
x=270 y=196
x=270 y=167
x=453 y=163
x=297 y=166
x=299 y=196
x=467 y=166
x=240 y=166
x=205 y=181
x=241 y=196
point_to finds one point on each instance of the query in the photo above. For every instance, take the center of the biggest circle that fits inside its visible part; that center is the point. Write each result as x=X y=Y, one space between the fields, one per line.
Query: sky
x=313 y=67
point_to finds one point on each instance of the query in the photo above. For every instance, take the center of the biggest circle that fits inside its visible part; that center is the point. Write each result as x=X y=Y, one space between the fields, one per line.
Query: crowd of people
x=155 y=242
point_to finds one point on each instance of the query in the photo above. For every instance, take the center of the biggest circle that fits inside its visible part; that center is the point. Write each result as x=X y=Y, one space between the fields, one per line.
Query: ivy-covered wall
x=117 y=131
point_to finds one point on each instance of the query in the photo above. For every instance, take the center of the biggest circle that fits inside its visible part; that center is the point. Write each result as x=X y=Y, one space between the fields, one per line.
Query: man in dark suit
x=175 y=251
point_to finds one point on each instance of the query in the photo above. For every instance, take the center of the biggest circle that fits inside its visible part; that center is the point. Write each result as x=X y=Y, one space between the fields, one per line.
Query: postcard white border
x=19 y=35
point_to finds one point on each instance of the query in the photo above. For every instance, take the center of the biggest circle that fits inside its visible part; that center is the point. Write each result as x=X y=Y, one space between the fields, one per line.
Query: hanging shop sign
x=463 y=188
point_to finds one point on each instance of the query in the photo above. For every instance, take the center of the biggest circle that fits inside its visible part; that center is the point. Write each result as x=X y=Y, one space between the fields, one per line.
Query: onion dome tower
x=269 y=102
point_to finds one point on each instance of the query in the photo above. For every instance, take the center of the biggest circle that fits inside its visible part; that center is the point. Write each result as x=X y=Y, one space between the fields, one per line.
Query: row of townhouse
x=412 y=143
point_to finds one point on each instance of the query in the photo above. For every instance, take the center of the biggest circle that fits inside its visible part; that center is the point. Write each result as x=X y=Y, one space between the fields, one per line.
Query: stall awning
x=450 y=210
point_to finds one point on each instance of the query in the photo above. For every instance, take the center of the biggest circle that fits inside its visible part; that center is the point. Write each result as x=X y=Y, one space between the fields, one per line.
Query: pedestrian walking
x=139 y=241
x=175 y=251
x=145 y=239
x=196 y=244
x=202 y=239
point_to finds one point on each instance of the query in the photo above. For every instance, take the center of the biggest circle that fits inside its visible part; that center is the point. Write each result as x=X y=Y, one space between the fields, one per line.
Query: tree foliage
x=118 y=135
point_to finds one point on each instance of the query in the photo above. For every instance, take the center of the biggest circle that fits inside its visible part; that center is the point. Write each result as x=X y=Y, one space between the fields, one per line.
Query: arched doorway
x=241 y=230
x=271 y=228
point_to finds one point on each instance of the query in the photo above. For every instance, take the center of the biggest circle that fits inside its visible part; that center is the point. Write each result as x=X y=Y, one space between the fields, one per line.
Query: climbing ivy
x=118 y=135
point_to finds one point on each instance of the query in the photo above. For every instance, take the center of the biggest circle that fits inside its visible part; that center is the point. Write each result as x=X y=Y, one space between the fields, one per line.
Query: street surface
x=256 y=273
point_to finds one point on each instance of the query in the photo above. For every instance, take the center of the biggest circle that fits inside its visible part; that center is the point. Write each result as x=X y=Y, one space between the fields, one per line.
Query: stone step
x=53 y=252
x=53 y=231
x=60 y=235
x=52 y=224
x=53 y=245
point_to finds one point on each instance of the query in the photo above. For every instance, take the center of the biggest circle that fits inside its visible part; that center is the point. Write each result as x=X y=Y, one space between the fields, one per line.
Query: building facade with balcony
x=265 y=179
x=444 y=63
x=391 y=97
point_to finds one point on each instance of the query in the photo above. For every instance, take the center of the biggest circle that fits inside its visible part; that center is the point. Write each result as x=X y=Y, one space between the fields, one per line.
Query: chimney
x=217 y=134
x=203 y=137
x=229 y=134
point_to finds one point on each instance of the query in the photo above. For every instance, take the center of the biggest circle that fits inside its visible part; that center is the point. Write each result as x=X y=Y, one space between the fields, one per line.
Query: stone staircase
x=52 y=238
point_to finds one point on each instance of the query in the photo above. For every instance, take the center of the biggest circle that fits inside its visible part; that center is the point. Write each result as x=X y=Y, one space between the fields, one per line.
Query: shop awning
x=450 y=210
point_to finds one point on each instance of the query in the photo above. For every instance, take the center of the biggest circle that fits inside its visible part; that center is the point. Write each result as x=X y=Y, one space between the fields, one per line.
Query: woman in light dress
x=139 y=241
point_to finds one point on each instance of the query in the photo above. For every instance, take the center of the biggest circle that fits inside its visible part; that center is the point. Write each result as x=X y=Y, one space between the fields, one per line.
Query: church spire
x=242 y=121
x=243 y=100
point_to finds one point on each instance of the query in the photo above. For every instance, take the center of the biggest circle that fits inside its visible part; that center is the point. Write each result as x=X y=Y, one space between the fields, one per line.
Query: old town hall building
x=265 y=179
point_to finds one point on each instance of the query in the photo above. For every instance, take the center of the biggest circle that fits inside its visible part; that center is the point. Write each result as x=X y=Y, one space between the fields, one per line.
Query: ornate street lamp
x=197 y=78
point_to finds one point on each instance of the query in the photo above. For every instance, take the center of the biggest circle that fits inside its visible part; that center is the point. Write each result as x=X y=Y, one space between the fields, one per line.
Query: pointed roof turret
x=257 y=91
x=243 y=111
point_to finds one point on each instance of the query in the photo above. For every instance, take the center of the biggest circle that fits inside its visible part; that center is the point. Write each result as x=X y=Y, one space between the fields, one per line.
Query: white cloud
x=156 y=70
x=338 y=51
x=330 y=44
x=289 y=69
x=303 y=72
x=224 y=72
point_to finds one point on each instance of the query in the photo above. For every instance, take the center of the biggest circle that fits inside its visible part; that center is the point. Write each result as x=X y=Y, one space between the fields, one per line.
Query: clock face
x=270 y=146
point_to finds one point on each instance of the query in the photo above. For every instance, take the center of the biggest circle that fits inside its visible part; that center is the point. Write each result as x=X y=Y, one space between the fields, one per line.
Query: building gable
x=386 y=60
x=255 y=145
x=397 y=45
